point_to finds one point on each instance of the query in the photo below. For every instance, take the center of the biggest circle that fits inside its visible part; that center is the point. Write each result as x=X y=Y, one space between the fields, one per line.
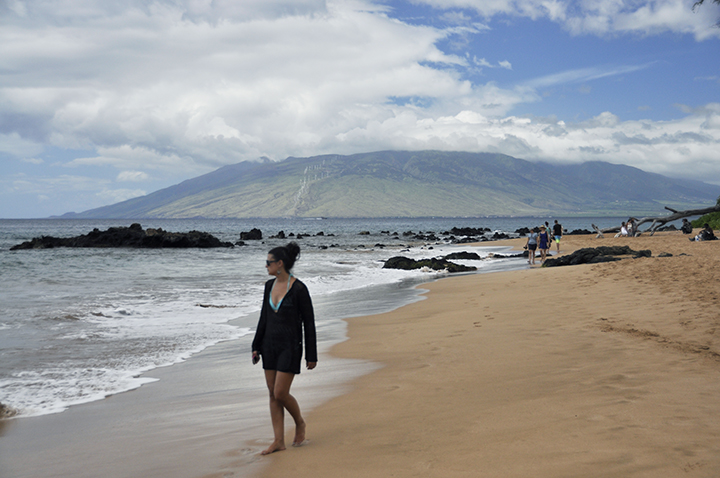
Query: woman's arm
x=307 y=315
x=260 y=331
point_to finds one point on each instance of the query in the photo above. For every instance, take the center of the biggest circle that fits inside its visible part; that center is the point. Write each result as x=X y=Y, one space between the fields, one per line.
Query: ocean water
x=78 y=325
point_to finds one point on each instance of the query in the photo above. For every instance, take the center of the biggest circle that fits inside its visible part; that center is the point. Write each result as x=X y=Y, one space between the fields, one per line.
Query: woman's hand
x=311 y=365
x=255 y=357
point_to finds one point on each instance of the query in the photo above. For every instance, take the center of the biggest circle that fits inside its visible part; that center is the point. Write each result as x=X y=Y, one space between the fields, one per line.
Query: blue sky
x=104 y=101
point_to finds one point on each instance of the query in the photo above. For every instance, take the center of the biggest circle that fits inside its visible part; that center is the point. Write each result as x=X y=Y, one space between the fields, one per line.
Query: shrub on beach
x=712 y=218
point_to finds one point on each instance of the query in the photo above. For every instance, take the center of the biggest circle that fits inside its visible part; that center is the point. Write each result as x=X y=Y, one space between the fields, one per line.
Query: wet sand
x=203 y=417
x=179 y=426
x=601 y=370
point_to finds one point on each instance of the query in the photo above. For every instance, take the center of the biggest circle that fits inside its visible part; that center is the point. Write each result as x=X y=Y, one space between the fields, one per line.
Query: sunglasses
x=267 y=263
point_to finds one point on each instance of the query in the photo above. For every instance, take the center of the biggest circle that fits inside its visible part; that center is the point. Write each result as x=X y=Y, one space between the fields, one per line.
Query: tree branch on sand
x=659 y=221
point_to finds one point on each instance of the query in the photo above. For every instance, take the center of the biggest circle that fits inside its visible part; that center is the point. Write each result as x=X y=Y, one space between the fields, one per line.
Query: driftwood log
x=659 y=221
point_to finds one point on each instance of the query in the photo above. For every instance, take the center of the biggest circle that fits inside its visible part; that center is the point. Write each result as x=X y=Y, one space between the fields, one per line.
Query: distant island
x=413 y=184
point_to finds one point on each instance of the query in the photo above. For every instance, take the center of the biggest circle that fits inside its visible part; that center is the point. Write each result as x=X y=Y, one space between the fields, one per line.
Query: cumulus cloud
x=180 y=87
x=161 y=79
x=14 y=144
x=138 y=157
x=673 y=148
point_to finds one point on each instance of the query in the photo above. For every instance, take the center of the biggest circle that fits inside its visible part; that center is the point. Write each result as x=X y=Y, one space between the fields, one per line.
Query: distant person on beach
x=544 y=243
x=531 y=245
x=623 y=230
x=557 y=233
x=706 y=234
x=287 y=311
x=686 y=227
x=631 y=227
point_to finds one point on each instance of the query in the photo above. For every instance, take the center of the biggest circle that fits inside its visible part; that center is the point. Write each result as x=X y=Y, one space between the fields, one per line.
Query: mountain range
x=414 y=184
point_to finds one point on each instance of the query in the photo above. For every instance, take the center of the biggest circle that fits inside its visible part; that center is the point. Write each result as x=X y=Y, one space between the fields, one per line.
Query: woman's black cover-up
x=279 y=335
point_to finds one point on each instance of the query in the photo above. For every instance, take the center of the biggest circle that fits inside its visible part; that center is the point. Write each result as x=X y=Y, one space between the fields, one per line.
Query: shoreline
x=208 y=412
x=595 y=370
x=188 y=423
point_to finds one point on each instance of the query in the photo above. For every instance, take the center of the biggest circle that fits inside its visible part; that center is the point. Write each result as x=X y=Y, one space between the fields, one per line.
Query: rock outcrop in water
x=438 y=264
x=254 y=234
x=7 y=412
x=133 y=236
x=464 y=255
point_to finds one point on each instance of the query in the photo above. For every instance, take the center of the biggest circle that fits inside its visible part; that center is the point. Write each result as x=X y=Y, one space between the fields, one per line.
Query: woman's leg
x=280 y=399
x=277 y=415
x=283 y=381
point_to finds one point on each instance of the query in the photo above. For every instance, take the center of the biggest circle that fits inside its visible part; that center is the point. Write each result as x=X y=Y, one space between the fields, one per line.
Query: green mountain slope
x=404 y=183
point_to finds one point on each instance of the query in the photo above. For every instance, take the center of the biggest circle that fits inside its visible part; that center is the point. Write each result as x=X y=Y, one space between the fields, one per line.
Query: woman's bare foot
x=299 y=439
x=276 y=446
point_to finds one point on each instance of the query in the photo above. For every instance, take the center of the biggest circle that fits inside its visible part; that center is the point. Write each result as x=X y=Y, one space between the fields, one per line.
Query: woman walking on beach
x=544 y=239
x=286 y=310
x=531 y=245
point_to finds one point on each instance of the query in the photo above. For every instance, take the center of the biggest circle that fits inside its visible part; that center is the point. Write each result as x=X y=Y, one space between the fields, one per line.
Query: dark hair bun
x=288 y=254
x=293 y=251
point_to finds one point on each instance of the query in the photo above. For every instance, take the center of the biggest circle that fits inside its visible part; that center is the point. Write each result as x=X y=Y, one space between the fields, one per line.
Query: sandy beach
x=601 y=370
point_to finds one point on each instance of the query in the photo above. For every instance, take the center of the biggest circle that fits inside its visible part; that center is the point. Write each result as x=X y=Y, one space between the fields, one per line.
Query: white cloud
x=149 y=80
x=132 y=176
x=584 y=74
x=603 y=17
x=139 y=158
x=456 y=18
x=681 y=148
x=18 y=146
x=112 y=196
x=483 y=62
x=175 y=88
x=708 y=78
x=49 y=193
x=210 y=11
x=24 y=184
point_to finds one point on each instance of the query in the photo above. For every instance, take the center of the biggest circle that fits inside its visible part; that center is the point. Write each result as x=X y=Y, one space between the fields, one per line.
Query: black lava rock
x=473 y=256
x=590 y=255
x=133 y=236
x=252 y=235
x=405 y=263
